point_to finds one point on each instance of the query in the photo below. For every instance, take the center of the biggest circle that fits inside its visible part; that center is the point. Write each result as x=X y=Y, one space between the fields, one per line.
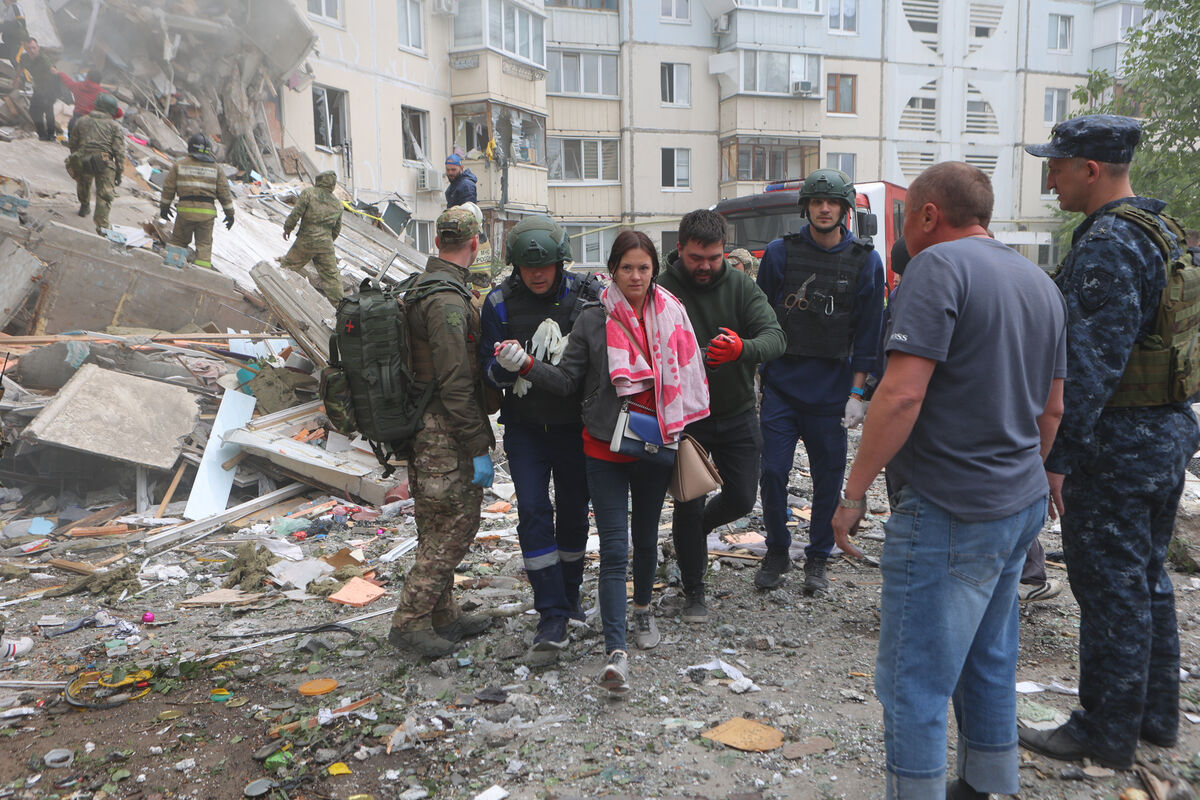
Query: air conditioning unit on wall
x=429 y=179
x=803 y=89
x=721 y=23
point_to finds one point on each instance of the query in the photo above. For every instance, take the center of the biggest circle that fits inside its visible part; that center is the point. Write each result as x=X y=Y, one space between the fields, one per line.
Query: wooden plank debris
x=178 y=533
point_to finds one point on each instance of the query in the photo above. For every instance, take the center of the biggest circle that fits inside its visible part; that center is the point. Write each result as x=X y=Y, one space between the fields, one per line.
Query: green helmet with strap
x=830 y=183
x=106 y=103
x=537 y=242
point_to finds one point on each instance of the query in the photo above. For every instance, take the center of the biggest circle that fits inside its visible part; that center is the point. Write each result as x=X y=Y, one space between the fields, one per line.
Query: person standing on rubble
x=12 y=30
x=827 y=288
x=197 y=180
x=98 y=154
x=319 y=214
x=1118 y=466
x=737 y=328
x=450 y=465
x=39 y=67
x=85 y=93
x=537 y=305
x=963 y=418
x=462 y=182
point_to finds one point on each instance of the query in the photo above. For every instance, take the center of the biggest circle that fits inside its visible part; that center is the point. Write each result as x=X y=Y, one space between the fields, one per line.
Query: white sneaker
x=15 y=648
x=645 y=629
x=1037 y=592
x=615 y=677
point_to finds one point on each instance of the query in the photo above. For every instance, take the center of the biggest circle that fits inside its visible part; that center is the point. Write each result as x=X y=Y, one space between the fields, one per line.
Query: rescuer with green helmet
x=537 y=305
x=319 y=215
x=97 y=145
x=197 y=180
x=827 y=289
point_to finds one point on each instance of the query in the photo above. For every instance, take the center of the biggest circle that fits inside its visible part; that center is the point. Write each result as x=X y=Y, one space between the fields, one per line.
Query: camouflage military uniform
x=97 y=154
x=748 y=263
x=1124 y=474
x=444 y=330
x=197 y=184
x=320 y=216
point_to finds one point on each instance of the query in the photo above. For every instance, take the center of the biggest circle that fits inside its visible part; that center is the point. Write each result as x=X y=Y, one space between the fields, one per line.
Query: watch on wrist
x=846 y=502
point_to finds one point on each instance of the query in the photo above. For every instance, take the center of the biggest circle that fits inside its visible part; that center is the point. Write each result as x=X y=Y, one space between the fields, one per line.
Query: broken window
x=331 y=126
x=410 y=23
x=415 y=125
x=327 y=9
x=520 y=136
x=760 y=158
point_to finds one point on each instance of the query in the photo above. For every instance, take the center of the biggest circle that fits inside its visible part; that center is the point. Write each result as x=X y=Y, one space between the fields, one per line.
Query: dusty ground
x=554 y=733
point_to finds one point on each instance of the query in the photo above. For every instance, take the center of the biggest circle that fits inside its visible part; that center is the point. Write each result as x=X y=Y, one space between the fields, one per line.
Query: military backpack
x=1165 y=367
x=369 y=386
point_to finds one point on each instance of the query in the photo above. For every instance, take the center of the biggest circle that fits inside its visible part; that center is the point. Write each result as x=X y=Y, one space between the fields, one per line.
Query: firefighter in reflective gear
x=827 y=289
x=97 y=154
x=319 y=214
x=197 y=181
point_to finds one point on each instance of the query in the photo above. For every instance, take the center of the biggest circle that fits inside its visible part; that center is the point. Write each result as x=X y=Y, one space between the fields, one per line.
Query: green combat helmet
x=831 y=183
x=457 y=225
x=537 y=242
x=106 y=103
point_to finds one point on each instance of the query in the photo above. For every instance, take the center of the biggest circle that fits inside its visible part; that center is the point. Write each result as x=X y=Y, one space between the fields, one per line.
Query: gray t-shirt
x=996 y=326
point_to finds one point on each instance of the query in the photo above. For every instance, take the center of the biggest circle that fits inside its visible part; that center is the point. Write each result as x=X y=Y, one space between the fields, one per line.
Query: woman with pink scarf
x=635 y=347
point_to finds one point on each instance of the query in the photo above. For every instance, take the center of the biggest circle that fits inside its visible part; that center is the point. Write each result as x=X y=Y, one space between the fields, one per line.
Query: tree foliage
x=1161 y=86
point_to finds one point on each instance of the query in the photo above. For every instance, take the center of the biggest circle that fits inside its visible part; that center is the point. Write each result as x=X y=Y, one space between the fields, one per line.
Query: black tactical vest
x=816 y=306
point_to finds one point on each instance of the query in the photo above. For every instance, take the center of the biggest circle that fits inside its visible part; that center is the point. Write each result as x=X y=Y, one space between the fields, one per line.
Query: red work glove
x=724 y=349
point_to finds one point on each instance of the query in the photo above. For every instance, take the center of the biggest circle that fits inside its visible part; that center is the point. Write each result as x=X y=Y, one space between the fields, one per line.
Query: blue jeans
x=553 y=536
x=611 y=485
x=948 y=629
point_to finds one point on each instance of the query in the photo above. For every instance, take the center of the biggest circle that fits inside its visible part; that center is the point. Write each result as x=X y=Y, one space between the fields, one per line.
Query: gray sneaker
x=645 y=629
x=695 y=611
x=814 y=576
x=615 y=676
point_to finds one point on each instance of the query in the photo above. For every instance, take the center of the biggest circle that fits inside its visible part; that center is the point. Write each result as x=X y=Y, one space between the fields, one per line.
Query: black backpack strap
x=587 y=293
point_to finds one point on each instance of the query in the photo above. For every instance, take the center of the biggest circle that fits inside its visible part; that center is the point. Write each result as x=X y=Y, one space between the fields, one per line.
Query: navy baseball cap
x=1098 y=137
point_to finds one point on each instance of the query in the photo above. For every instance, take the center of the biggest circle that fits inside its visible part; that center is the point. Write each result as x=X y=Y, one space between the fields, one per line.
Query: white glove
x=513 y=357
x=856 y=412
x=548 y=344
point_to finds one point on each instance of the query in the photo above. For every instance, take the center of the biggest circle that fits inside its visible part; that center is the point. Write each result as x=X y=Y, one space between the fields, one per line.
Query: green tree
x=1161 y=86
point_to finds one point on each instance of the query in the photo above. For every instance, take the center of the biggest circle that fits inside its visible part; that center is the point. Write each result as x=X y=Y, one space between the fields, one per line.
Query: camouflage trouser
x=199 y=224
x=1120 y=516
x=324 y=260
x=446 y=504
x=106 y=192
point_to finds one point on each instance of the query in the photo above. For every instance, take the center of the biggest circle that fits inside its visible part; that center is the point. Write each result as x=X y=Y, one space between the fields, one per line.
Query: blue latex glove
x=484 y=474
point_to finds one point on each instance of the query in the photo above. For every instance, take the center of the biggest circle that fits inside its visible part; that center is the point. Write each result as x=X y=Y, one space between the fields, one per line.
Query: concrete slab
x=122 y=417
x=20 y=269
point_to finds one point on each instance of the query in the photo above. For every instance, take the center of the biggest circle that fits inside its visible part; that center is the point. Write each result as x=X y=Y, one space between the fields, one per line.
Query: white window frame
x=1131 y=10
x=405 y=11
x=420 y=231
x=686 y=163
x=680 y=12
x=582 y=233
x=323 y=15
x=676 y=69
x=839 y=161
x=556 y=73
x=801 y=67
x=840 y=28
x=331 y=122
x=1055 y=28
x=527 y=26
x=421 y=147
x=556 y=145
x=791 y=6
x=1059 y=95
x=1046 y=194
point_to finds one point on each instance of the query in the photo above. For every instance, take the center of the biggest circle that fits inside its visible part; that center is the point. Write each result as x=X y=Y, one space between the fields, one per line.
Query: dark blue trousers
x=825 y=440
x=553 y=536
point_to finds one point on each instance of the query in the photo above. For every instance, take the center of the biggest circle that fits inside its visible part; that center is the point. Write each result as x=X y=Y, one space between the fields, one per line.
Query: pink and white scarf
x=674 y=369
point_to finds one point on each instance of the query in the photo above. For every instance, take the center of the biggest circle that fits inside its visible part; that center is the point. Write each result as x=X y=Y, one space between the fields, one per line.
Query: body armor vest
x=816 y=305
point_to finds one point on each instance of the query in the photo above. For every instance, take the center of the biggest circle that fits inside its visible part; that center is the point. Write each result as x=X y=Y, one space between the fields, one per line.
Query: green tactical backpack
x=369 y=386
x=1165 y=367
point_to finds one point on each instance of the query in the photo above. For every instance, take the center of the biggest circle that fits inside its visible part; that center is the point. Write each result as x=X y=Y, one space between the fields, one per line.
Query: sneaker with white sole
x=615 y=676
x=695 y=611
x=551 y=634
x=645 y=629
x=15 y=648
x=1037 y=592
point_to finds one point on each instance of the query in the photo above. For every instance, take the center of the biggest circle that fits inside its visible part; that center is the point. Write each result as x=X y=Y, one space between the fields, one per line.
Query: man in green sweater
x=737 y=327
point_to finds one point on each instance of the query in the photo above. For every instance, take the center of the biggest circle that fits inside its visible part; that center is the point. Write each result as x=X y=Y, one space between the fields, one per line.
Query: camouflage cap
x=1098 y=137
x=457 y=225
x=744 y=257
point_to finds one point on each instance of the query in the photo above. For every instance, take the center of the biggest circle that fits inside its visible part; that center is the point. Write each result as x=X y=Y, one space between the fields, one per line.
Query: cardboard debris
x=746 y=734
x=357 y=593
x=222 y=597
x=809 y=747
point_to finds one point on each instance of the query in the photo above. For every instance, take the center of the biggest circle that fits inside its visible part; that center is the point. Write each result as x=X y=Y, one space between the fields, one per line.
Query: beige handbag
x=694 y=474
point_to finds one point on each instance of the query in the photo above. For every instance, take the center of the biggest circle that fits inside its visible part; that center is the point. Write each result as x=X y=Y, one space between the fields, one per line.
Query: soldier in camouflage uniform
x=450 y=465
x=198 y=181
x=744 y=260
x=1116 y=470
x=97 y=154
x=320 y=216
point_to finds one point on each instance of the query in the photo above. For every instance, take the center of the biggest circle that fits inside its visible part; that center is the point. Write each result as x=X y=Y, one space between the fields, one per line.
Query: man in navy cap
x=462 y=182
x=1117 y=466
